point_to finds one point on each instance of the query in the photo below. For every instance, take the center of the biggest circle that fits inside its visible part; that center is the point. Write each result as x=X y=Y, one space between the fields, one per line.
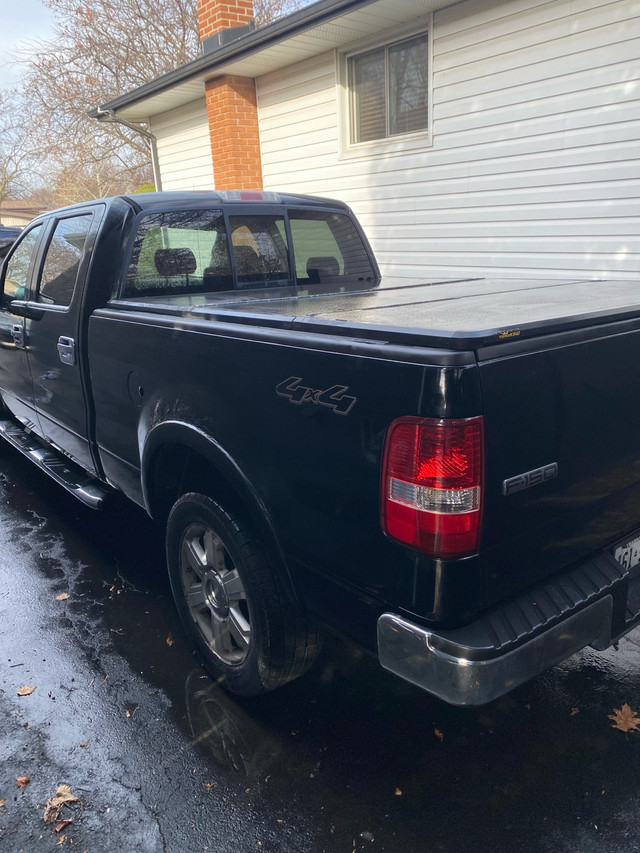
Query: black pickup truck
x=447 y=472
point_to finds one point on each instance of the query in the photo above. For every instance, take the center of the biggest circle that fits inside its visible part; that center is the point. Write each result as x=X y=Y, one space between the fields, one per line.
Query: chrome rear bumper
x=591 y=604
x=417 y=655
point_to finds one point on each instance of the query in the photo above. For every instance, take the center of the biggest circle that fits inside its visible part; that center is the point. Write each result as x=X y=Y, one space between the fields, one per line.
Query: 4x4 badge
x=334 y=398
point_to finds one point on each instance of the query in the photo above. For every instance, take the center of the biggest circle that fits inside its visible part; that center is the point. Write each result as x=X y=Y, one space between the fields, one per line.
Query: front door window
x=16 y=278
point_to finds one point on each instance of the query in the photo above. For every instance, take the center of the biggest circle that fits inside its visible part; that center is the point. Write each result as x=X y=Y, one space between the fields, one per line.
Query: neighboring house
x=19 y=212
x=484 y=136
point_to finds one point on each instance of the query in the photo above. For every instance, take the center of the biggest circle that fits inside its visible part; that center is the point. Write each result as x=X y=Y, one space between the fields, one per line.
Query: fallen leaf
x=63 y=838
x=62 y=824
x=54 y=805
x=62 y=597
x=23 y=781
x=625 y=719
x=2 y=803
x=398 y=792
x=438 y=734
x=575 y=711
x=170 y=640
x=26 y=690
x=85 y=744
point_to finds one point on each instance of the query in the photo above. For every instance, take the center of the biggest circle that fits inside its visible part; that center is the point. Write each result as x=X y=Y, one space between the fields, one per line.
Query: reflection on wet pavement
x=347 y=758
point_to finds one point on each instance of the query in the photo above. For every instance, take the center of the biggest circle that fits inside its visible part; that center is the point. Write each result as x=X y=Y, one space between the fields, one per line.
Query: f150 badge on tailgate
x=530 y=478
x=334 y=398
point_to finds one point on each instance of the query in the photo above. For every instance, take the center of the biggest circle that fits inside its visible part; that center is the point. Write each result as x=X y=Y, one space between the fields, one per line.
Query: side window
x=62 y=261
x=389 y=90
x=16 y=276
x=328 y=250
x=260 y=251
x=179 y=252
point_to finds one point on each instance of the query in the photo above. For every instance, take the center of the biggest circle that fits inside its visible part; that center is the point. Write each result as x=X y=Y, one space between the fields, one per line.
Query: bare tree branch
x=100 y=50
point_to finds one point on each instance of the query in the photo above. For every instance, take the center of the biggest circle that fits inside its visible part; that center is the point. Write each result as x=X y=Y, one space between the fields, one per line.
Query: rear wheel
x=232 y=602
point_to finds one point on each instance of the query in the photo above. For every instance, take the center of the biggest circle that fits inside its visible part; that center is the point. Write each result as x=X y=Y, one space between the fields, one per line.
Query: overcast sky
x=21 y=22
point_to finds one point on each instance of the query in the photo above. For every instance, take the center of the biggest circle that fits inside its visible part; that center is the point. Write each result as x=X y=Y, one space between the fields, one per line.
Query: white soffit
x=345 y=29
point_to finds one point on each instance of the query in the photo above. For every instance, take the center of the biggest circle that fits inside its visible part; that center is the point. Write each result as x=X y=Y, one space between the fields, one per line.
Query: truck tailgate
x=562 y=425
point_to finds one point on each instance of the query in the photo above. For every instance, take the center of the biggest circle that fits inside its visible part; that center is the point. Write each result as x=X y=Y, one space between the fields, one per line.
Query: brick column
x=231 y=106
x=235 y=137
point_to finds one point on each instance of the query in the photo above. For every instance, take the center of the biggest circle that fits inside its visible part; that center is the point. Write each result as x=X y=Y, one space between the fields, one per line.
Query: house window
x=389 y=90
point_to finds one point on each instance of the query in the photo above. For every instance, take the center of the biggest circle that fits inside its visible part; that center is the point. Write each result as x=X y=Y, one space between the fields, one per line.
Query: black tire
x=231 y=601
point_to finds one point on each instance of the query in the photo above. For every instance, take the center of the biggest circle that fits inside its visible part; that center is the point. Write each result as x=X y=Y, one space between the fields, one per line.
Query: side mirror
x=6 y=298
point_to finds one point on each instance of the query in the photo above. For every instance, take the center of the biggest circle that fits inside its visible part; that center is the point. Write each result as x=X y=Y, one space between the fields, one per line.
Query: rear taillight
x=432 y=484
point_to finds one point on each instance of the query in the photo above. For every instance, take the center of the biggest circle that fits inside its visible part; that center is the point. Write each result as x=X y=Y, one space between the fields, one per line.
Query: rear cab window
x=179 y=252
x=232 y=250
x=328 y=250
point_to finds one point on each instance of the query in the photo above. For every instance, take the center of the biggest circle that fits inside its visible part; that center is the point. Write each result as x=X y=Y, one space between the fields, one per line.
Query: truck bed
x=459 y=314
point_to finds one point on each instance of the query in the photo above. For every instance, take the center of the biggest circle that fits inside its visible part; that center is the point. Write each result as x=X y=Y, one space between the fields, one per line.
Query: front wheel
x=231 y=602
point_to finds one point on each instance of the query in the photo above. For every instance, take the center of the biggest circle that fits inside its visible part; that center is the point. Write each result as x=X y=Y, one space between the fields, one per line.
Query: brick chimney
x=231 y=104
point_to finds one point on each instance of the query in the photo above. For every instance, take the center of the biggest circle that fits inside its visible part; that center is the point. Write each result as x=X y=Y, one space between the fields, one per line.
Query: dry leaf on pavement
x=26 y=690
x=23 y=781
x=62 y=597
x=625 y=719
x=54 y=805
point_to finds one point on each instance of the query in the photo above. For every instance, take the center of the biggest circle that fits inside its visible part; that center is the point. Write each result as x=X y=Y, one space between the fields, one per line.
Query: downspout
x=109 y=115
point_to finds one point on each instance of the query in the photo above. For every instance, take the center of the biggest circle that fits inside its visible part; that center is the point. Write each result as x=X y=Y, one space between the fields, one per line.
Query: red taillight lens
x=432 y=484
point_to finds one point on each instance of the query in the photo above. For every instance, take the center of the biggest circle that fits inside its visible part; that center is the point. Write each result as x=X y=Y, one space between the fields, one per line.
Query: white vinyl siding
x=184 y=147
x=534 y=164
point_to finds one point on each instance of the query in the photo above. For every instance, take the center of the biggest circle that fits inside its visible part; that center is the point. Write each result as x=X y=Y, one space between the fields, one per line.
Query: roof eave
x=212 y=64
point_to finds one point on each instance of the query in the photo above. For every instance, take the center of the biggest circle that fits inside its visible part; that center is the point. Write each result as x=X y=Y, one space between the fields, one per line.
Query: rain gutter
x=104 y=114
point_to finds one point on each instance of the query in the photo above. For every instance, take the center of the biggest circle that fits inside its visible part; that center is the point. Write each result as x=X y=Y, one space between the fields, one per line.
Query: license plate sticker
x=628 y=555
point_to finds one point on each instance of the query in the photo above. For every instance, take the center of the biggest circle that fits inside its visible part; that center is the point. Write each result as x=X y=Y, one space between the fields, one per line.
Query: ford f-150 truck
x=446 y=471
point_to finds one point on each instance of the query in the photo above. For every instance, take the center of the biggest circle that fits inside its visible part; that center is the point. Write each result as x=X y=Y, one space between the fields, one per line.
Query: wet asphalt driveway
x=348 y=758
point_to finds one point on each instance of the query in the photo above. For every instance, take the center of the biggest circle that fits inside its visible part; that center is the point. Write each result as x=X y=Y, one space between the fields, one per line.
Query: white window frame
x=396 y=143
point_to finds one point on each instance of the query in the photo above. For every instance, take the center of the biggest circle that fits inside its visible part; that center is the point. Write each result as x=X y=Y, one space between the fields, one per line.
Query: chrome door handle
x=17 y=333
x=67 y=350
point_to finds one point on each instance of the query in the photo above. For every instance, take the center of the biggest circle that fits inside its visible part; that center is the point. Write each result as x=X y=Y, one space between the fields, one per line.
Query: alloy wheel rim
x=215 y=594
